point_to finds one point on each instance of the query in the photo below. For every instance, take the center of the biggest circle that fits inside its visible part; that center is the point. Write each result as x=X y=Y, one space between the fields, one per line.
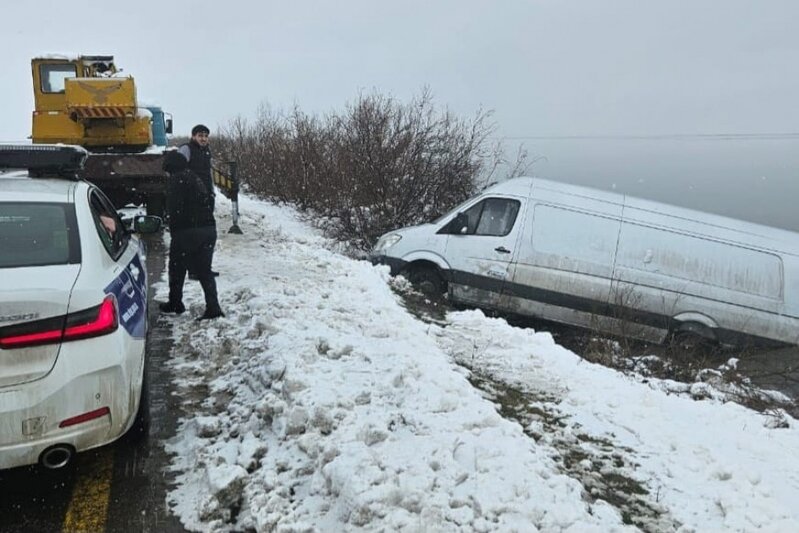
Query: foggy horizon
x=754 y=180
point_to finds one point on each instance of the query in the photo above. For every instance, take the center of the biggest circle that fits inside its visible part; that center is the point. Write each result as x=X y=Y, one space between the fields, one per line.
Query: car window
x=492 y=216
x=37 y=234
x=109 y=226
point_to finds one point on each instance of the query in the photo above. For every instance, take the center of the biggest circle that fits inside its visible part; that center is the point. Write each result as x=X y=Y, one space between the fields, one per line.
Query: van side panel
x=572 y=241
x=657 y=307
x=667 y=271
x=565 y=260
x=699 y=266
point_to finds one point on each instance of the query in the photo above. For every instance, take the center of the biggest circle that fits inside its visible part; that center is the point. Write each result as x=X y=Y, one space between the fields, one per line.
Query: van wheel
x=693 y=341
x=427 y=280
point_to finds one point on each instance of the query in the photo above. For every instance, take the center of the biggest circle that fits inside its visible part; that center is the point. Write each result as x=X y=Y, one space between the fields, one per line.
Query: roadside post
x=228 y=184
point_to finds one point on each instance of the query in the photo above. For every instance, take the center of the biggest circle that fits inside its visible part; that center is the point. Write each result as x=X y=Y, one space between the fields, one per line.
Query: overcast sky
x=546 y=67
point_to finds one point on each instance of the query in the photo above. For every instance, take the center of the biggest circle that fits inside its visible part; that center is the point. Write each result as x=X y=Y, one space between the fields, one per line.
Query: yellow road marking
x=88 y=507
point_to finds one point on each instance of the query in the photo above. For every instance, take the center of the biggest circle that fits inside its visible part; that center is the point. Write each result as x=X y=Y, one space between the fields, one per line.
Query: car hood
x=27 y=295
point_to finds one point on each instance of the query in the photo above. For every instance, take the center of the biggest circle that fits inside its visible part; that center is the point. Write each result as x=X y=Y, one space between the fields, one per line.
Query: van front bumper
x=396 y=265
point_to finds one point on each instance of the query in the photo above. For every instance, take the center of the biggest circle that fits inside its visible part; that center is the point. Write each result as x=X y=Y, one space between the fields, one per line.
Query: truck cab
x=85 y=101
x=82 y=100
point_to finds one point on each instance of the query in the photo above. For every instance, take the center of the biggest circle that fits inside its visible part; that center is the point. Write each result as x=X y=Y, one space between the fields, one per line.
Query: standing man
x=190 y=204
x=198 y=154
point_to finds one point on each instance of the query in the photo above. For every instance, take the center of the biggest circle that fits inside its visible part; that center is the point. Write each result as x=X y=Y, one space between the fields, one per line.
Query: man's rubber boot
x=211 y=313
x=169 y=307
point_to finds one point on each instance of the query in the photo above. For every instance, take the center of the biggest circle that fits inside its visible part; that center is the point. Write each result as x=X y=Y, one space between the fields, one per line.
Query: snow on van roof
x=520 y=185
x=523 y=185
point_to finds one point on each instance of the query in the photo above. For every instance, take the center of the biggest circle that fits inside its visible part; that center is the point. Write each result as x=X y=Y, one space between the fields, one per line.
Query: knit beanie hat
x=199 y=128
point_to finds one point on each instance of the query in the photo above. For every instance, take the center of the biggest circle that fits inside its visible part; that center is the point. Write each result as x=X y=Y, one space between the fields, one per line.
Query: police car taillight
x=92 y=322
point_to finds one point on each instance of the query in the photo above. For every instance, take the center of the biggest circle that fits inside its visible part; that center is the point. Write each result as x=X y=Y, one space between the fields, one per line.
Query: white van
x=607 y=261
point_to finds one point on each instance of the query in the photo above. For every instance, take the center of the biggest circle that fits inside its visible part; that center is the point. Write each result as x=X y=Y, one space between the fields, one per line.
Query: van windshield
x=454 y=210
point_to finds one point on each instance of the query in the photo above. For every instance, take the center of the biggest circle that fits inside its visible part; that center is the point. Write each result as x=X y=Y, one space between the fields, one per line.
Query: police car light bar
x=43 y=159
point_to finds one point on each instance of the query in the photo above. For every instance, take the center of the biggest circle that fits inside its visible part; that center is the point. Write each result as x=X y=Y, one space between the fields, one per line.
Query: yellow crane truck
x=85 y=101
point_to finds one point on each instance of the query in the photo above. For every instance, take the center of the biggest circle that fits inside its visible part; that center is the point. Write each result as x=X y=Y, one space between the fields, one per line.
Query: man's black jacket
x=189 y=200
x=199 y=158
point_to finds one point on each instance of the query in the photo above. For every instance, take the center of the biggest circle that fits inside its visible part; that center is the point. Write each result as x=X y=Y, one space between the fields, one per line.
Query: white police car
x=73 y=311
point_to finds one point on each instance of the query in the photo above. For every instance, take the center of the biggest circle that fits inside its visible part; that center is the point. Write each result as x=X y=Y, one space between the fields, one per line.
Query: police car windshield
x=35 y=234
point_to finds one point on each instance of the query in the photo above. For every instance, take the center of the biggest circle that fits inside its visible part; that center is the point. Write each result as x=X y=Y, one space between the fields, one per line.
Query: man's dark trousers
x=193 y=249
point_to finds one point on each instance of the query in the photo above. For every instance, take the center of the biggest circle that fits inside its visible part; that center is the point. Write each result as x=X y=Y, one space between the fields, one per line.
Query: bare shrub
x=377 y=166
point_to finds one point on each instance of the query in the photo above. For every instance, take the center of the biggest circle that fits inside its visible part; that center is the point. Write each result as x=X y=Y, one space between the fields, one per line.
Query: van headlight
x=385 y=242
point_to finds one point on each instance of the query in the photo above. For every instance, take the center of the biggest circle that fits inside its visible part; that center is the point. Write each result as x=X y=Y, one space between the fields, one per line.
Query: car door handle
x=502 y=250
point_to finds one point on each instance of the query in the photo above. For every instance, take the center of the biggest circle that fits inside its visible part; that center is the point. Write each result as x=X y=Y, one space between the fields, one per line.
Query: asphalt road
x=118 y=488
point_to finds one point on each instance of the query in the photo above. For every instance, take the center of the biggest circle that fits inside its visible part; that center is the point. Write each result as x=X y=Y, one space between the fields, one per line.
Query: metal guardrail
x=228 y=184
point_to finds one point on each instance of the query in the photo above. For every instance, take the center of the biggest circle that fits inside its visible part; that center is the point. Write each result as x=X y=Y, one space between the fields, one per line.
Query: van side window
x=492 y=216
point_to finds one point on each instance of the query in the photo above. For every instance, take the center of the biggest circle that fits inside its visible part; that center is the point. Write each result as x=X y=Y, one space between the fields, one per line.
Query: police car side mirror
x=146 y=224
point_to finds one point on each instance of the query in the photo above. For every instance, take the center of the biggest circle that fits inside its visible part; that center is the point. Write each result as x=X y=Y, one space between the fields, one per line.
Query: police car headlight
x=386 y=242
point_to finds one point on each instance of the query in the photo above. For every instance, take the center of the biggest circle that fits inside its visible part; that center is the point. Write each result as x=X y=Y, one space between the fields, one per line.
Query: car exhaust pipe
x=57 y=456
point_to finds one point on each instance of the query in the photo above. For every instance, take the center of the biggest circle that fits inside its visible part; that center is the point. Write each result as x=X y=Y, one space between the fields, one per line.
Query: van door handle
x=502 y=250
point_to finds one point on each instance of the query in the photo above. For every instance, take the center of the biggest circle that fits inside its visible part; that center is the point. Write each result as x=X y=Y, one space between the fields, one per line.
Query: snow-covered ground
x=320 y=404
